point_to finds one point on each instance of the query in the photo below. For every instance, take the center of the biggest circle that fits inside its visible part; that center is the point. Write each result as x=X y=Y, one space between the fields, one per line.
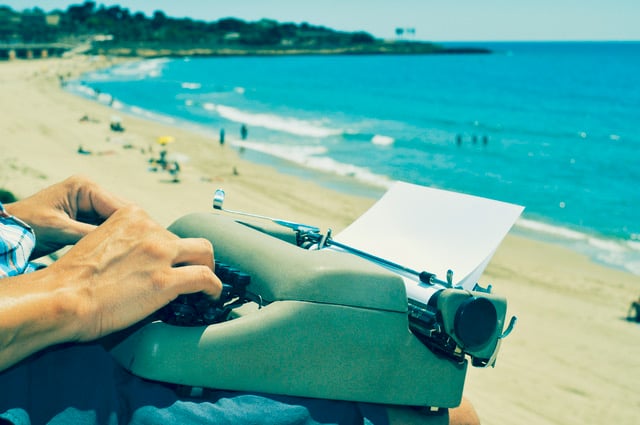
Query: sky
x=432 y=20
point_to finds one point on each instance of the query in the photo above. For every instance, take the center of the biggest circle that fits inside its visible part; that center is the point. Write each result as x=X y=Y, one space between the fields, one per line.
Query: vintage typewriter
x=304 y=314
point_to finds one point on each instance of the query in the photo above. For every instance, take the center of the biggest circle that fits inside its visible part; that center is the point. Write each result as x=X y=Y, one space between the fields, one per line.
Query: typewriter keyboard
x=198 y=310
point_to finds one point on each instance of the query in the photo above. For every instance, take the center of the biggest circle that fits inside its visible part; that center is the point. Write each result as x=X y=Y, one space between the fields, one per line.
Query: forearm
x=34 y=313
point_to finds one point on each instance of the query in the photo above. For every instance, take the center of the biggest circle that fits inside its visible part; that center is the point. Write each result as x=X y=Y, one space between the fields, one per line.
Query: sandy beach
x=572 y=357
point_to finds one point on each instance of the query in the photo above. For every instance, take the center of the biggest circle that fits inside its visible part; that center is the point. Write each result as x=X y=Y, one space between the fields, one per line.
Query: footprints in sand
x=9 y=167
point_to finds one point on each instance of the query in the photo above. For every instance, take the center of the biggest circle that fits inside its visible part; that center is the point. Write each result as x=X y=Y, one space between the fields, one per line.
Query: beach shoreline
x=570 y=358
x=377 y=136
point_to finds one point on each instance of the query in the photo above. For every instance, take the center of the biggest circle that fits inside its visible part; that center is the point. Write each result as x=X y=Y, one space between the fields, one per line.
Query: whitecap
x=550 y=229
x=138 y=69
x=105 y=98
x=190 y=86
x=382 y=140
x=635 y=246
x=274 y=122
x=312 y=157
x=117 y=104
x=606 y=245
x=618 y=253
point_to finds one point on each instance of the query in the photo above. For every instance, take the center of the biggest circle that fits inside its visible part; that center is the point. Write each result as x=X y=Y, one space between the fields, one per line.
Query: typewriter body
x=315 y=323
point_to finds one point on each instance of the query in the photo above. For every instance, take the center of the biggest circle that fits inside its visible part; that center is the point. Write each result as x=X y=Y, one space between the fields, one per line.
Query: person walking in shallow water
x=244 y=132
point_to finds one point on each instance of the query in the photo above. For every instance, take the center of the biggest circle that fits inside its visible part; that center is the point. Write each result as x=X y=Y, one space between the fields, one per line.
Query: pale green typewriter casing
x=323 y=324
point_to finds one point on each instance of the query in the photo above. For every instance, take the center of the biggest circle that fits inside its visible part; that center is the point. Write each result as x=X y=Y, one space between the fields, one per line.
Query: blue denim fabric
x=81 y=384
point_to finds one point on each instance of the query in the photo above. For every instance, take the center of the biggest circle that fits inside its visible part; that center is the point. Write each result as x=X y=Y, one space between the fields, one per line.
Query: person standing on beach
x=634 y=311
x=221 y=136
x=122 y=267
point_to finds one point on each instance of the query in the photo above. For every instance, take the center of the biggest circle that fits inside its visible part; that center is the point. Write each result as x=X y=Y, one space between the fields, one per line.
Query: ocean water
x=554 y=127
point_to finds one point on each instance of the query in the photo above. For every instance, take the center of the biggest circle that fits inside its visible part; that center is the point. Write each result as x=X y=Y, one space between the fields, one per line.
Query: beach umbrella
x=165 y=140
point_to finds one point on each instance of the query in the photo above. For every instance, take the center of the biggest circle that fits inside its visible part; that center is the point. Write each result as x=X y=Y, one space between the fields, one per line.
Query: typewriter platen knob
x=475 y=322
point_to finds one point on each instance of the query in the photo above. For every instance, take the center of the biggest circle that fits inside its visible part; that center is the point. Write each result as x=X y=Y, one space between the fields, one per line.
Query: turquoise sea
x=554 y=127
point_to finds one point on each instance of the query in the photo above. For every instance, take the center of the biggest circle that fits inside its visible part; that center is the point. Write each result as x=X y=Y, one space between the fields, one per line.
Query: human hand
x=129 y=267
x=63 y=213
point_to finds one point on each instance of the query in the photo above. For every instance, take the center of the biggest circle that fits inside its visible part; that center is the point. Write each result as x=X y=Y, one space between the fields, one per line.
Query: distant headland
x=117 y=31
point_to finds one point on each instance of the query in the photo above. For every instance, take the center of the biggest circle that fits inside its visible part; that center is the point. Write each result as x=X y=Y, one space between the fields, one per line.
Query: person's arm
x=116 y=275
x=34 y=314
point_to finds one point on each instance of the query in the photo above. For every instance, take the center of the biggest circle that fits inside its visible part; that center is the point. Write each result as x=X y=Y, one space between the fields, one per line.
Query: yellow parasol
x=165 y=140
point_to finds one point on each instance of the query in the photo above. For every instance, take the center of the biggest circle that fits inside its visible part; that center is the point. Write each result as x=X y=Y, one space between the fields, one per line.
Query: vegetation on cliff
x=116 y=30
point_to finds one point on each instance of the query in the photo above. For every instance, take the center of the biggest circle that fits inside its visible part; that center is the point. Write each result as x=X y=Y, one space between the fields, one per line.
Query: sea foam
x=313 y=157
x=135 y=70
x=619 y=253
x=275 y=122
x=190 y=86
x=381 y=140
